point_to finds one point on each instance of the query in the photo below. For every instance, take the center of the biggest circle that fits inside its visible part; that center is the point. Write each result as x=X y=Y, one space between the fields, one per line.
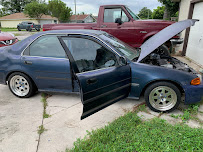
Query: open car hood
x=164 y=35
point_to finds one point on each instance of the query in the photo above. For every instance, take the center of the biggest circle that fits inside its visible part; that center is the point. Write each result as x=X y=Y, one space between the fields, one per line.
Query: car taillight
x=32 y=26
x=195 y=81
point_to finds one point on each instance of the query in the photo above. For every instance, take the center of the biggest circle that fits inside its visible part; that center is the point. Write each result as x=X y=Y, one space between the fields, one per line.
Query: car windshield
x=123 y=48
x=135 y=17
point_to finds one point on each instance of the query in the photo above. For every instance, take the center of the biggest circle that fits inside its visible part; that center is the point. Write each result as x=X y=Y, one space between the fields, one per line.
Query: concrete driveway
x=20 y=119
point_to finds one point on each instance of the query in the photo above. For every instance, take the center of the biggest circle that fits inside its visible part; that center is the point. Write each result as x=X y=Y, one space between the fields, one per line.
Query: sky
x=92 y=6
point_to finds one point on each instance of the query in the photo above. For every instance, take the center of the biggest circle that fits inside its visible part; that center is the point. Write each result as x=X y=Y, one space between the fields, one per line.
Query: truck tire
x=163 y=50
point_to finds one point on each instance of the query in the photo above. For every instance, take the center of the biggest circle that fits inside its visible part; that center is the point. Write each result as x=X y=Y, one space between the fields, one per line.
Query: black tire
x=38 y=30
x=164 y=101
x=164 y=50
x=16 y=90
x=27 y=29
x=18 y=28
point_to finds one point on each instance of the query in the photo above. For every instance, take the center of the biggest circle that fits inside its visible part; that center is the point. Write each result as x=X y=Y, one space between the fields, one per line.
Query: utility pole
x=75 y=12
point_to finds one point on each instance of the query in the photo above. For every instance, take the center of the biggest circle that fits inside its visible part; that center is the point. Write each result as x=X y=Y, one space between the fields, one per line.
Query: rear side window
x=46 y=46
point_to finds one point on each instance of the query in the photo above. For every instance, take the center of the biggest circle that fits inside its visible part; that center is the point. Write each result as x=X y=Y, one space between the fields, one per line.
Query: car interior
x=90 y=55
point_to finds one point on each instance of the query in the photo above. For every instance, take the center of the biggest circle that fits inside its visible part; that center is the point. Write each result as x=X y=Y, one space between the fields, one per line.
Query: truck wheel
x=18 y=28
x=162 y=97
x=163 y=50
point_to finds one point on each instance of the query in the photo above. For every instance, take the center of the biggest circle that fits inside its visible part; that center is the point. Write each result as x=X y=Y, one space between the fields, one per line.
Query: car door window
x=89 y=55
x=47 y=46
x=110 y=15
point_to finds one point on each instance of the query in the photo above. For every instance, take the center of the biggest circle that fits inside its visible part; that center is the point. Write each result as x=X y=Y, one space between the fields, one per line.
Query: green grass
x=8 y=29
x=189 y=113
x=17 y=34
x=129 y=133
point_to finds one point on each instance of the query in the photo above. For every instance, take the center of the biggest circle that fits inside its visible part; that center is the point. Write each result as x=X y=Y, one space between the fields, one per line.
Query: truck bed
x=47 y=27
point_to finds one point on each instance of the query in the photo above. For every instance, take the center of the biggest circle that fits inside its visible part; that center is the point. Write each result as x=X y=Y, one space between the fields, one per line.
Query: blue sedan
x=102 y=68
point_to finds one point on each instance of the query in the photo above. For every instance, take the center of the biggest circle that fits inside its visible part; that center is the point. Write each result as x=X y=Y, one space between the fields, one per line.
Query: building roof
x=79 y=17
x=17 y=16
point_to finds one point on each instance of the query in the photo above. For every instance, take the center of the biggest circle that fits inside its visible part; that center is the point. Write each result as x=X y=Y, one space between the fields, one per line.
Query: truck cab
x=121 y=22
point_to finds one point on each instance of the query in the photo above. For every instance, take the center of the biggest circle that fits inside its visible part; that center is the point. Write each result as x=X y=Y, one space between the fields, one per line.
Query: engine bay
x=165 y=60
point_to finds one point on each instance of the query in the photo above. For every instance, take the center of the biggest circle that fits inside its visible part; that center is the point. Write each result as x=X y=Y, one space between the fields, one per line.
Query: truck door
x=125 y=31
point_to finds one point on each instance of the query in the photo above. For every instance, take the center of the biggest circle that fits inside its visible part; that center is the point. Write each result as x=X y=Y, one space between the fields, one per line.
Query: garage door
x=195 y=41
x=42 y=22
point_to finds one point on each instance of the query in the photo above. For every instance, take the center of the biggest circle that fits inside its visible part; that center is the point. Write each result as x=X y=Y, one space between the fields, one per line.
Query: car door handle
x=92 y=81
x=28 y=62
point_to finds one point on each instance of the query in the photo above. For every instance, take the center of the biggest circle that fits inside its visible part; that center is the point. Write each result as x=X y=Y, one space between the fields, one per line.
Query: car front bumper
x=193 y=94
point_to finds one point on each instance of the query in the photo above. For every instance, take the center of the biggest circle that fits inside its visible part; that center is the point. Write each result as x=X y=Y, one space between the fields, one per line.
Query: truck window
x=135 y=17
x=110 y=15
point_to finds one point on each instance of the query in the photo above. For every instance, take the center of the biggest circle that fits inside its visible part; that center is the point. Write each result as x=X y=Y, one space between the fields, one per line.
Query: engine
x=167 y=61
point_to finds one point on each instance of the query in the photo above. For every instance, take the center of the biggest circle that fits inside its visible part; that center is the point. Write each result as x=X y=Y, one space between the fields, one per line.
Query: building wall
x=195 y=42
x=14 y=23
x=89 y=19
x=183 y=15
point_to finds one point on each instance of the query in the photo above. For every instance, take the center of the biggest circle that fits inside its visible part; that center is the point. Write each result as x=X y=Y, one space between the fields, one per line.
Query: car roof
x=18 y=47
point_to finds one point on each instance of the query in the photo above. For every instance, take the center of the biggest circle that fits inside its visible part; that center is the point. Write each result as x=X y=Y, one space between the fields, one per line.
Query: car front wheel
x=162 y=97
x=21 y=85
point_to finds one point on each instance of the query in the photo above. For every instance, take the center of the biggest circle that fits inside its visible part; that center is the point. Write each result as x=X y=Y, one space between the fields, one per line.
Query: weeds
x=189 y=113
x=45 y=104
x=41 y=129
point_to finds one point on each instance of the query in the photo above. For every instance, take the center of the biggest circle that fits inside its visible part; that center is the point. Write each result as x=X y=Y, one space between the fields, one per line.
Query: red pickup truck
x=121 y=22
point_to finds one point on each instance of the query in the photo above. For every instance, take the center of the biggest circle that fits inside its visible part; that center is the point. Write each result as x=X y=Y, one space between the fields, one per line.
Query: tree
x=145 y=13
x=14 y=6
x=36 y=10
x=158 y=13
x=171 y=7
x=3 y=12
x=58 y=9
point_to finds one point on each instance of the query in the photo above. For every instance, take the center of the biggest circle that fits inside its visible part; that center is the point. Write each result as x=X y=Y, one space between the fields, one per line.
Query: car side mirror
x=118 y=20
x=122 y=61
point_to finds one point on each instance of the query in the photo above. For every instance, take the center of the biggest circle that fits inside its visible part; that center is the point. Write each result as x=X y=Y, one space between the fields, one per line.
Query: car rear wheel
x=18 y=28
x=21 y=85
x=162 y=97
